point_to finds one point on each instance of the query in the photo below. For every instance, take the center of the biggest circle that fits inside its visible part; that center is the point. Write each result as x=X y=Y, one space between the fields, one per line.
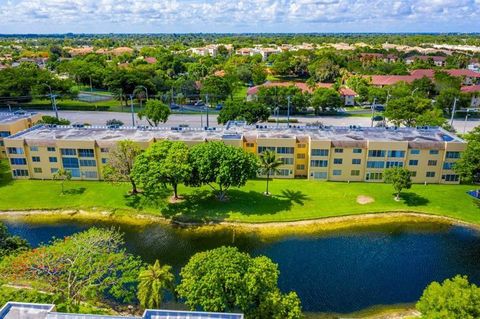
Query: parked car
x=379 y=107
x=219 y=107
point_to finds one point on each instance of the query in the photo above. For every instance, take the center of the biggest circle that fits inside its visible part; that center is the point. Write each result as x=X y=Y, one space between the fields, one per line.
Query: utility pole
x=54 y=103
x=206 y=105
x=373 y=110
x=465 y=124
x=91 y=87
x=288 y=111
x=132 y=110
x=454 y=109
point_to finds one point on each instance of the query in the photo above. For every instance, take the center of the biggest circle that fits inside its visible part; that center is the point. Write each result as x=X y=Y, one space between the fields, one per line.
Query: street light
x=465 y=124
x=146 y=92
x=132 y=110
x=52 y=98
x=414 y=91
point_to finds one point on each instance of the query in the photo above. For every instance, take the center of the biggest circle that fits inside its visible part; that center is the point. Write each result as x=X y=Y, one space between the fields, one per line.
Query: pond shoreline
x=302 y=226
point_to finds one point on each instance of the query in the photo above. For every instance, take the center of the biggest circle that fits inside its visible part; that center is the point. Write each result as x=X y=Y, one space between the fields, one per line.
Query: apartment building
x=13 y=122
x=320 y=153
x=20 y=310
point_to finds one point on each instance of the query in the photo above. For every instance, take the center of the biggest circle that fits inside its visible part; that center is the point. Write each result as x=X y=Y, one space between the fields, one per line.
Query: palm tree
x=269 y=164
x=152 y=282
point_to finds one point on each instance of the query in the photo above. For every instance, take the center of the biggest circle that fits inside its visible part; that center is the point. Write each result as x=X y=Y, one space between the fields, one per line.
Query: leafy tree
x=120 y=163
x=114 y=122
x=323 y=99
x=454 y=298
x=444 y=101
x=88 y=266
x=423 y=87
x=259 y=75
x=269 y=164
x=444 y=81
x=277 y=96
x=399 y=177
x=251 y=112
x=214 y=163
x=47 y=119
x=324 y=70
x=225 y=279
x=10 y=244
x=155 y=112
x=217 y=88
x=163 y=163
x=153 y=281
x=62 y=175
x=406 y=110
x=432 y=117
x=468 y=166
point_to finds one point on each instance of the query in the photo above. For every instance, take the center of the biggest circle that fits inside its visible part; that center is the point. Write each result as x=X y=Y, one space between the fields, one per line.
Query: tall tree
x=120 y=163
x=323 y=99
x=225 y=279
x=269 y=164
x=153 y=281
x=155 y=112
x=400 y=178
x=251 y=112
x=221 y=166
x=406 y=110
x=163 y=163
x=468 y=166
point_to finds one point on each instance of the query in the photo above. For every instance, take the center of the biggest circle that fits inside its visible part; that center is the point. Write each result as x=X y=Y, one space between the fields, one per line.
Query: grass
x=292 y=200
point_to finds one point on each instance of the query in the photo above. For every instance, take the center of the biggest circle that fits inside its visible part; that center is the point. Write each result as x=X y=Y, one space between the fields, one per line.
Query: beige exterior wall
x=304 y=158
x=15 y=127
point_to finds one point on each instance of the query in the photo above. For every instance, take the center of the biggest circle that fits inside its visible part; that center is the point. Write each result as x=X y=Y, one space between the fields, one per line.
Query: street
x=196 y=120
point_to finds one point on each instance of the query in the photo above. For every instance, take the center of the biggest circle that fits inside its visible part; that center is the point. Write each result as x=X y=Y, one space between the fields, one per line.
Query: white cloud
x=227 y=15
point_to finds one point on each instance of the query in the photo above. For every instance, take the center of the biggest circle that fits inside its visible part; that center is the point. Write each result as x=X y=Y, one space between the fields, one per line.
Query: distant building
x=474 y=91
x=469 y=77
x=13 y=122
x=437 y=60
x=20 y=310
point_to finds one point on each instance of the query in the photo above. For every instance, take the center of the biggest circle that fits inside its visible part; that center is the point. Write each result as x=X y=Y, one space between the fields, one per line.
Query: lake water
x=341 y=271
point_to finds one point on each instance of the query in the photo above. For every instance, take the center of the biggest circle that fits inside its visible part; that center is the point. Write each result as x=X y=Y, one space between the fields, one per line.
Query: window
x=18 y=161
x=451 y=178
x=15 y=150
x=413 y=173
x=51 y=149
x=287 y=161
x=262 y=149
x=318 y=163
x=375 y=164
x=301 y=167
x=70 y=162
x=2 y=144
x=319 y=152
x=413 y=162
x=89 y=174
x=33 y=148
x=337 y=161
x=452 y=155
x=300 y=156
x=433 y=152
x=339 y=150
x=301 y=145
x=20 y=172
x=374 y=176
x=88 y=163
x=52 y=159
x=319 y=175
x=400 y=154
x=285 y=150
x=356 y=161
x=88 y=152
x=414 y=151
x=74 y=171
x=357 y=151
x=376 y=153
x=53 y=170
x=430 y=174
x=448 y=165
x=283 y=172
x=337 y=172
x=104 y=160
x=432 y=163
x=68 y=151
x=35 y=159
x=394 y=164
x=355 y=172
x=106 y=150
x=4 y=133
x=247 y=145
x=37 y=170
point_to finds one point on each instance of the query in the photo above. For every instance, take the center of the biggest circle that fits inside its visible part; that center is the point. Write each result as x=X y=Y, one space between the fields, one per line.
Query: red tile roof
x=464 y=72
x=418 y=74
x=390 y=79
x=150 y=60
x=471 y=88
x=304 y=87
x=347 y=92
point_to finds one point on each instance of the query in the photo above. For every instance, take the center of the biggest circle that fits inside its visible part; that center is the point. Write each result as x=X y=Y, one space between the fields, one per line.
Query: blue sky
x=166 y=16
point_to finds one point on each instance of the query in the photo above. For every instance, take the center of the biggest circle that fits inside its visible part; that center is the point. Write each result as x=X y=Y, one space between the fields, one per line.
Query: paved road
x=195 y=120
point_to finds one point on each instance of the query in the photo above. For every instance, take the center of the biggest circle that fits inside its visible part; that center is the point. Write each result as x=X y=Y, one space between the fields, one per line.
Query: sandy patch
x=363 y=200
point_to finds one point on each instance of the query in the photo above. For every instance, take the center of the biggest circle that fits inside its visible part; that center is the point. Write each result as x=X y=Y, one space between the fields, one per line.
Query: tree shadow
x=297 y=197
x=75 y=191
x=142 y=200
x=413 y=199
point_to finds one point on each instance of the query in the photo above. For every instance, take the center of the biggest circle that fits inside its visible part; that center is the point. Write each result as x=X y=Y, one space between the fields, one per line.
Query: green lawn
x=292 y=200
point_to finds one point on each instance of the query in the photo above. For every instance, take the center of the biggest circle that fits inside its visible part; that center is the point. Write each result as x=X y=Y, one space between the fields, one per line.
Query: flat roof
x=17 y=310
x=46 y=133
x=11 y=117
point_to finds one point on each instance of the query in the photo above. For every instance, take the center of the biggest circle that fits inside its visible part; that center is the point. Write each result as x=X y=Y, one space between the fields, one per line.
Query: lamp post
x=465 y=124
x=132 y=110
x=53 y=99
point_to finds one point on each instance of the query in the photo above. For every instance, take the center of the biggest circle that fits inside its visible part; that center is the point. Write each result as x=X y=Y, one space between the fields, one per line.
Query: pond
x=337 y=271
